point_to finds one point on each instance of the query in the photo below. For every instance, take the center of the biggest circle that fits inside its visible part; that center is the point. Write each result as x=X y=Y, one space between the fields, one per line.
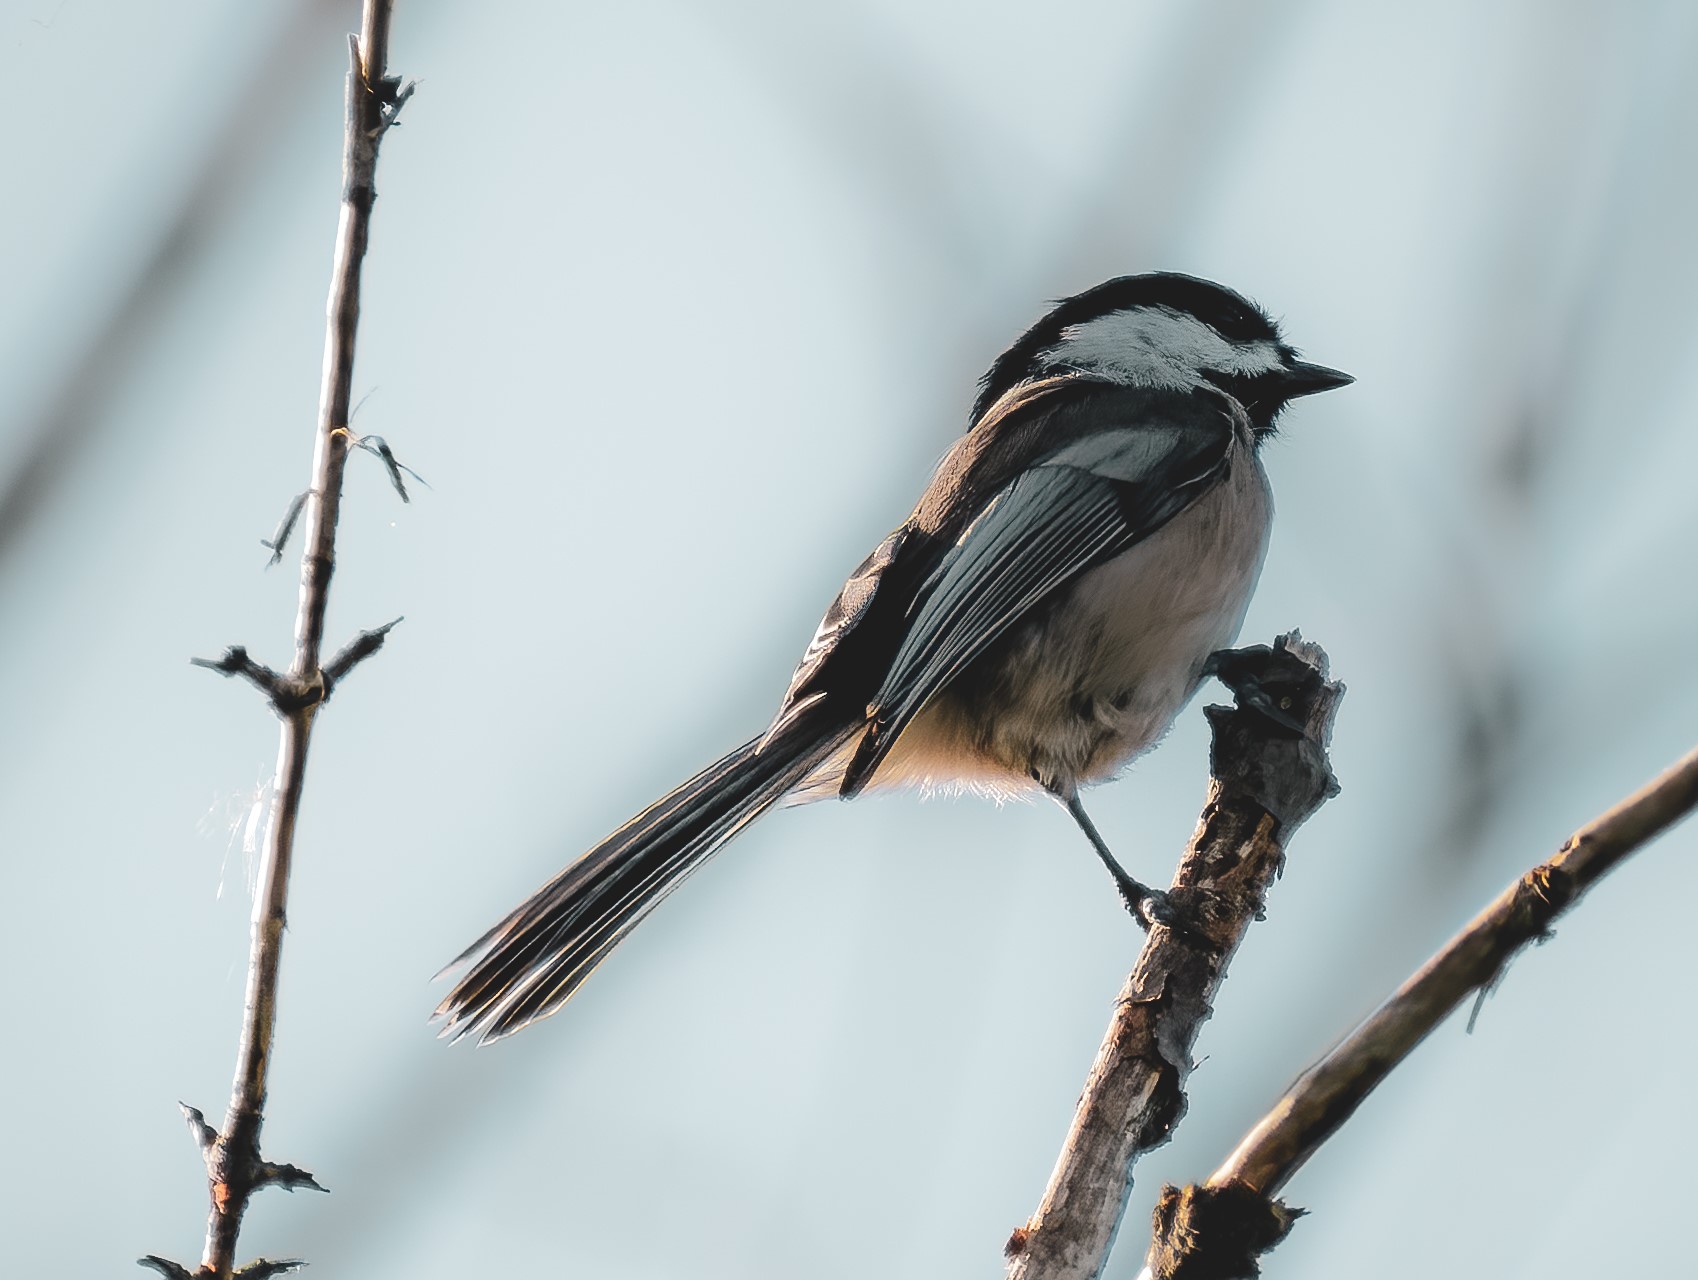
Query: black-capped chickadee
x=1037 y=622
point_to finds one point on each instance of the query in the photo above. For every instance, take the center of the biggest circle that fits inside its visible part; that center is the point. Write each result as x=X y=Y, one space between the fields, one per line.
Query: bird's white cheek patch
x=1157 y=347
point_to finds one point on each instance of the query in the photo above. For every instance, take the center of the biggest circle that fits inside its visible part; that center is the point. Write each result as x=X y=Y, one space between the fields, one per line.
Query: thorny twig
x=235 y=1169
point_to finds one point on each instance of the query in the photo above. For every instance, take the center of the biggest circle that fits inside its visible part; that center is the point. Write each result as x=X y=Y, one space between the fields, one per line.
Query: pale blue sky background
x=651 y=280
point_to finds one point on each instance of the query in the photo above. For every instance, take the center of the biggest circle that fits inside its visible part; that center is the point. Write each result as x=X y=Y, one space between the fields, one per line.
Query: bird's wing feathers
x=844 y=615
x=1081 y=505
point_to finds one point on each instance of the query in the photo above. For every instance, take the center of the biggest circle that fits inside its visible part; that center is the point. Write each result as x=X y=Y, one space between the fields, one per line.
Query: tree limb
x=1266 y=783
x=1327 y=1095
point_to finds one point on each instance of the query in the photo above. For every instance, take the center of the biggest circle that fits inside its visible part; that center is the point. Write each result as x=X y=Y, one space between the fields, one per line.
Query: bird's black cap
x=1229 y=314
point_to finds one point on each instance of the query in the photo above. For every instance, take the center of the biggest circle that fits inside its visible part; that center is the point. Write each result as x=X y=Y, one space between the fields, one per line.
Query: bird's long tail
x=531 y=962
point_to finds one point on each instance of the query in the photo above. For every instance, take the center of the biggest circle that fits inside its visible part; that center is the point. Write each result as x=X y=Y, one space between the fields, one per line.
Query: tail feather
x=532 y=961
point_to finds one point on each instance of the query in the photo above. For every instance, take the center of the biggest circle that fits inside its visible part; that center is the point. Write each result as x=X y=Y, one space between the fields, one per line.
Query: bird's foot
x=1149 y=907
x=1262 y=683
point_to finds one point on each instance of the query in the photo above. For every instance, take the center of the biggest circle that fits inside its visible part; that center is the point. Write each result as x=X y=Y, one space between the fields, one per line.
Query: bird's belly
x=1078 y=689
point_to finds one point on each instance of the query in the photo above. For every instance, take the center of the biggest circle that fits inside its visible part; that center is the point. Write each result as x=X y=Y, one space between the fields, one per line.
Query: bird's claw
x=1155 y=907
x=1257 y=683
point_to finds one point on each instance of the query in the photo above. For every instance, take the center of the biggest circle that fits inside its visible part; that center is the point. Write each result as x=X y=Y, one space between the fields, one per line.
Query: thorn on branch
x=170 y=1270
x=288 y=1176
x=356 y=651
x=264 y=1268
x=204 y=1134
x=285 y=527
x=236 y=662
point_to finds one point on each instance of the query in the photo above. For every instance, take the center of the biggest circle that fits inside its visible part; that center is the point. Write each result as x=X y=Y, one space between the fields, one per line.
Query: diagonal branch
x=1327 y=1095
x=1266 y=783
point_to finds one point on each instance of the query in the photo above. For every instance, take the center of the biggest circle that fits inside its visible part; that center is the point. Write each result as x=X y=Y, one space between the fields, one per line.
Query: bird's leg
x=1148 y=906
x=1259 y=684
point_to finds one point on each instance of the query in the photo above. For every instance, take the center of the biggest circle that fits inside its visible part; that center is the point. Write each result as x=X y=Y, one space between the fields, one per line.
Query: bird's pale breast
x=1085 y=685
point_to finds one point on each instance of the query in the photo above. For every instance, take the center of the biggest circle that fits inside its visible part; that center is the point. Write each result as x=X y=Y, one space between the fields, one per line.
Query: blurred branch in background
x=905 y=141
x=1558 y=253
x=235 y=1169
x=74 y=410
x=1265 y=784
x=1236 y=1204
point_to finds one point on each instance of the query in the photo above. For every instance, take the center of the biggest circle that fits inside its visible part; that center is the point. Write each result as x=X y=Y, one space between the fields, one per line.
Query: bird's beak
x=1303 y=379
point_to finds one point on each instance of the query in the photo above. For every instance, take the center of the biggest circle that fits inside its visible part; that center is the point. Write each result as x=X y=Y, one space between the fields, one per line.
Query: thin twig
x=355 y=652
x=236 y=662
x=235 y=1169
x=1326 y=1095
x=286 y=526
x=379 y=448
x=77 y=414
x=1266 y=783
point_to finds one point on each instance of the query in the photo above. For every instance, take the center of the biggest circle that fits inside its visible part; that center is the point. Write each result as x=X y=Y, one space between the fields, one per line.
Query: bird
x=1074 y=570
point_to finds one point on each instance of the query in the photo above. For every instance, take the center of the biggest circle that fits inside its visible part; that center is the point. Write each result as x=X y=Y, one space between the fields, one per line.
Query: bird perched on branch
x=1059 y=592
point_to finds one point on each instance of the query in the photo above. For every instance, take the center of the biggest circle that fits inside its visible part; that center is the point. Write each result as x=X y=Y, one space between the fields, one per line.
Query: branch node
x=1018 y=1239
x=1215 y=1232
x=1552 y=887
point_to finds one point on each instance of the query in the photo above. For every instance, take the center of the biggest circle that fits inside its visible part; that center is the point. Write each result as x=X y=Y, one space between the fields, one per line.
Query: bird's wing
x=865 y=587
x=1081 y=505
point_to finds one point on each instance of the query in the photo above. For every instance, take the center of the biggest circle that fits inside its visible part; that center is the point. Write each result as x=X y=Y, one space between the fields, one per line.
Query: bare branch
x=235 y=1169
x=1329 y=1092
x=1266 y=782
x=1327 y=1095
